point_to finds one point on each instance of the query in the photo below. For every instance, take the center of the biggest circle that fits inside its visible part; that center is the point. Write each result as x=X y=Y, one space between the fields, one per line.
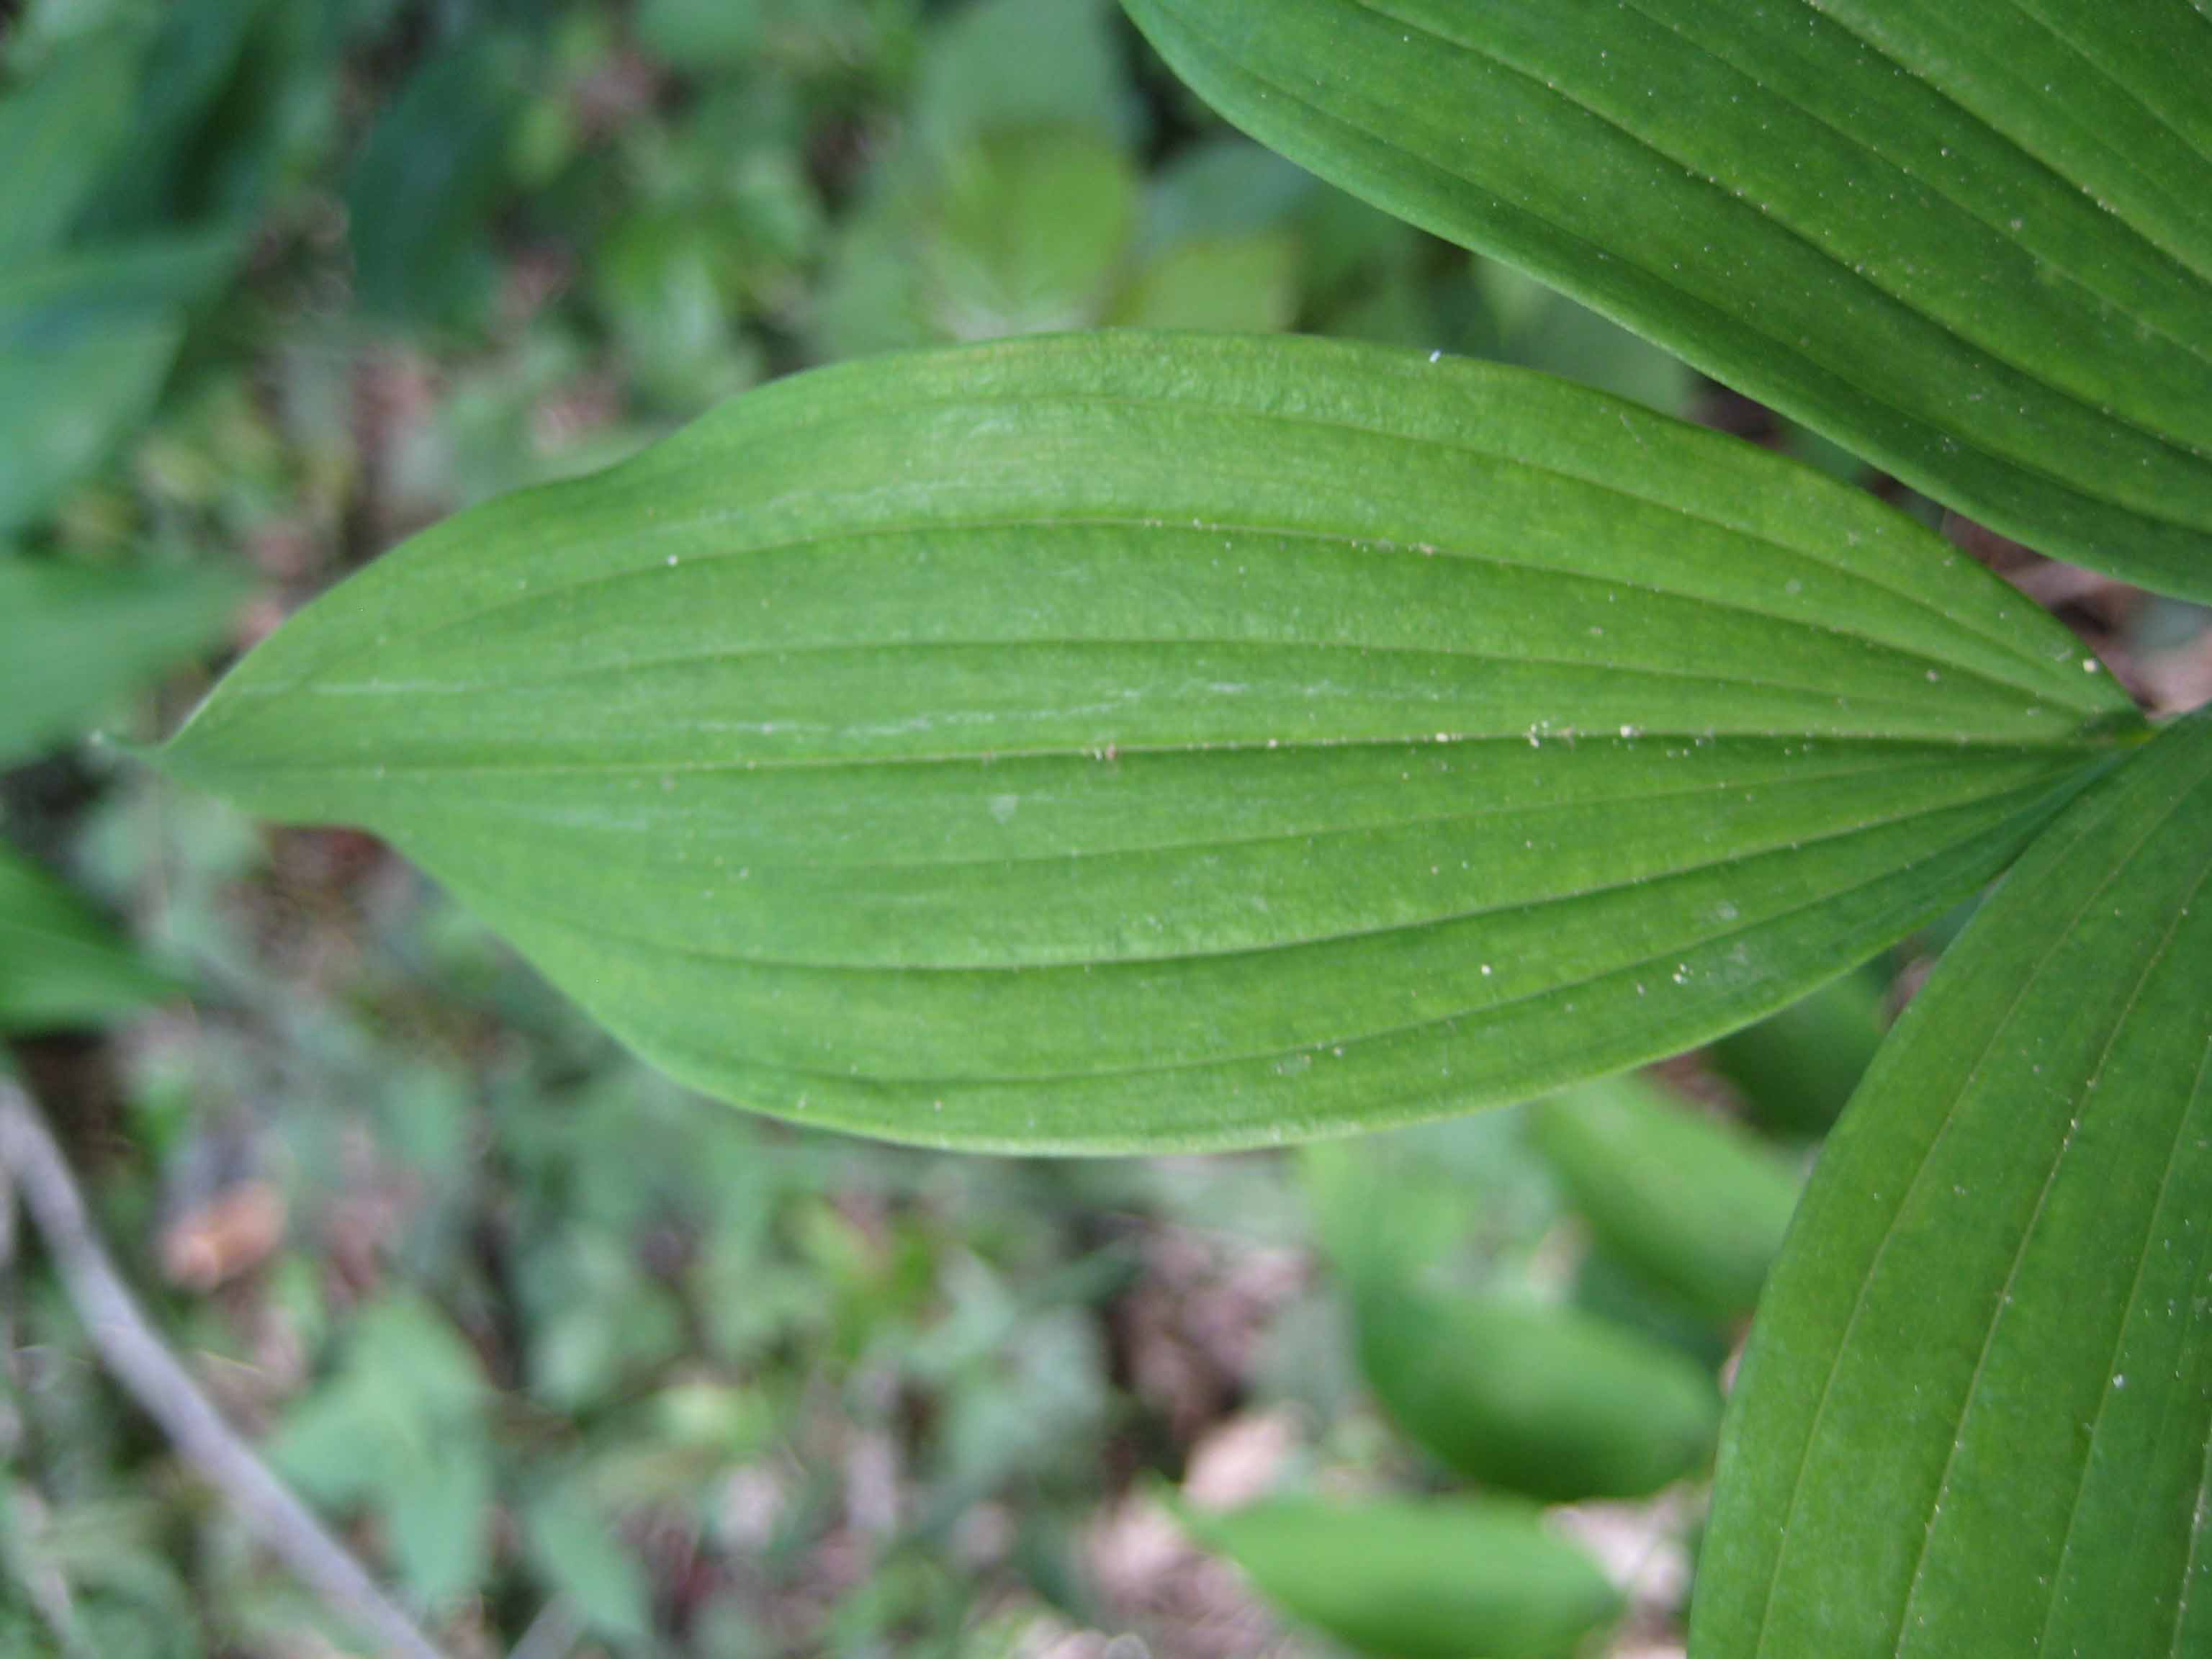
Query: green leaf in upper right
x=1972 y=241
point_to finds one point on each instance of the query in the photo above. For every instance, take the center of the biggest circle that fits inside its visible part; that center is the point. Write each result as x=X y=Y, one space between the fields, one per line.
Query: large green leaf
x=58 y=965
x=73 y=639
x=1976 y=1415
x=1443 y=1579
x=1973 y=241
x=1136 y=739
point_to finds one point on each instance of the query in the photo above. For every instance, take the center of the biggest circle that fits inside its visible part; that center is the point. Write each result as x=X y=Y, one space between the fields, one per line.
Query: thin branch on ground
x=141 y=1362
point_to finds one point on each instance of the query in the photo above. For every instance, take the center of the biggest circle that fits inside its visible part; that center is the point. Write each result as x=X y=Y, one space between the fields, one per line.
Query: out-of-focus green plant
x=1162 y=740
x=1427 y=1580
x=1505 y=1381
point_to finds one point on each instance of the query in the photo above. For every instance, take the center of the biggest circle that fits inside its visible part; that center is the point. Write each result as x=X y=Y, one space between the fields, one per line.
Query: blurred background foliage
x=282 y=280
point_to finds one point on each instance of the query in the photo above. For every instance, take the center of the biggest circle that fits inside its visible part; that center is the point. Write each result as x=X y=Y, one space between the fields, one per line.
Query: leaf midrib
x=1319 y=832
x=2089 y=748
x=1674 y=952
x=1624 y=674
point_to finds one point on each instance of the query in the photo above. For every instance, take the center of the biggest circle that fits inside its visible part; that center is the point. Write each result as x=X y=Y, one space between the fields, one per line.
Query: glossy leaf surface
x=1972 y=241
x=1976 y=1414
x=58 y=965
x=1692 y=1204
x=1548 y=1402
x=1133 y=740
x=1443 y=1579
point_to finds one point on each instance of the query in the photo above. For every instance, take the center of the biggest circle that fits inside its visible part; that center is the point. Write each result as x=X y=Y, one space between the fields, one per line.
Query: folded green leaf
x=1444 y=1579
x=74 y=640
x=421 y=194
x=1976 y=1415
x=58 y=965
x=1695 y=1206
x=216 y=116
x=58 y=130
x=1971 y=240
x=1545 y=1401
x=1137 y=740
x=86 y=340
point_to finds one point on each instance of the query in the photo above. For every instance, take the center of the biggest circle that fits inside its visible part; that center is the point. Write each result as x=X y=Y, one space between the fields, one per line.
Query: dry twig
x=152 y=1376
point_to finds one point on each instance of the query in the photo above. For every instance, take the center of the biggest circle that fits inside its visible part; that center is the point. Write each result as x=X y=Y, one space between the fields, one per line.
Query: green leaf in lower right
x=1976 y=1414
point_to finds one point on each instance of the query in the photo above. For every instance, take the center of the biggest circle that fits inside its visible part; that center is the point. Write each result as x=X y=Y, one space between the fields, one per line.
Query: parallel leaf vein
x=1556 y=988
x=2082 y=830
x=2093 y=67
x=1829 y=9
x=2047 y=686
x=1996 y=355
x=1533 y=811
x=1963 y=204
x=2125 y=1323
x=1731 y=365
x=1971 y=1397
x=1556 y=991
